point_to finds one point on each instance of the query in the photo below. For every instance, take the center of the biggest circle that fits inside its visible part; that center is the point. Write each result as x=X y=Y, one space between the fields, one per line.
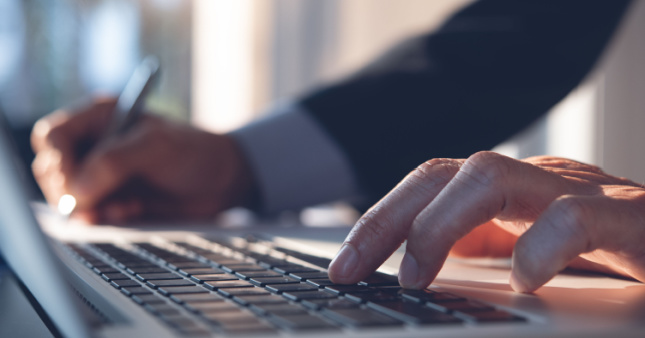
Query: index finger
x=65 y=126
x=382 y=229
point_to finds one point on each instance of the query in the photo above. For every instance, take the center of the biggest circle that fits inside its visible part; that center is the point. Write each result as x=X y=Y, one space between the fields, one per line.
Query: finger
x=43 y=127
x=574 y=225
x=46 y=170
x=55 y=140
x=63 y=127
x=54 y=154
x=486 y=240
x=115 y=162
x=385 y=226
x=487 y=186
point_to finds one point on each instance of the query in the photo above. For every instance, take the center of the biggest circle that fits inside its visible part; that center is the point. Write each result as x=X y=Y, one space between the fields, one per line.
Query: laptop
x=270 y=280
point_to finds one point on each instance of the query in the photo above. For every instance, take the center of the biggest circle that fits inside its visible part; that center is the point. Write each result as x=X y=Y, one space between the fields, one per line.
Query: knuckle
x=568 y=218
x=39 y=132
x=50 y=128
x=487 y=168
x=55 y=134
x=372 y=226
x=430 y=175
x=437 y=171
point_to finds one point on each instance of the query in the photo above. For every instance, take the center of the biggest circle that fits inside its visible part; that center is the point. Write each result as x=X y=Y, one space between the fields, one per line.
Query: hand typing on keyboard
x=554 y=213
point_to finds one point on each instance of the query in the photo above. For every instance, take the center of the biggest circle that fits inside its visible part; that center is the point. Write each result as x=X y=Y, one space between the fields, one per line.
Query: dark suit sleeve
x=488 y=72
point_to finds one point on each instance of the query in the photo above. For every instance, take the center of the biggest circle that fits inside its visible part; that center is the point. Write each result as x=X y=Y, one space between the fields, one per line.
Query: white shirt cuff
x=295 y=162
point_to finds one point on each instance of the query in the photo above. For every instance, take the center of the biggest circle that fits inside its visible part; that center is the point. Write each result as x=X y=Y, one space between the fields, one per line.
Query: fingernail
x=345 y=262
x=409 y=271
x=517 y=284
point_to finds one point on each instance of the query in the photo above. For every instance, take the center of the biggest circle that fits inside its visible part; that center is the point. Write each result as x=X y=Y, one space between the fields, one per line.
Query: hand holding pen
x=121 y=165
x=126 y=113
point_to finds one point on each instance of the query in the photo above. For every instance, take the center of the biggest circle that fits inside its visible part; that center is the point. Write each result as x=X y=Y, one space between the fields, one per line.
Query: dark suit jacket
x=488 y=72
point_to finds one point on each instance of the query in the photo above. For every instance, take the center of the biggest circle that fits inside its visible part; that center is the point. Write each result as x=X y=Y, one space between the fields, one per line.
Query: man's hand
x=158 y=169
x=555 y=212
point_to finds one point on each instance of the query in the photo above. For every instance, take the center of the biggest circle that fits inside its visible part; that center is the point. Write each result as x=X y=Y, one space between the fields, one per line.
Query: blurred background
x=226 y=62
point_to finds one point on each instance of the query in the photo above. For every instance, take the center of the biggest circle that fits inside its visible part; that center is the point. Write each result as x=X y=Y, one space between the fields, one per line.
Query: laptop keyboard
x=249 y=286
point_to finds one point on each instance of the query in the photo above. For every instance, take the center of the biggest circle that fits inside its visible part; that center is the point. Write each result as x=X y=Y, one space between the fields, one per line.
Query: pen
x=127 y=111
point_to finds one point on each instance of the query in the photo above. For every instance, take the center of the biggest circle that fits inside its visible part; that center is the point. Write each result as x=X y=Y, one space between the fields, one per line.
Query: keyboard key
x=221 y=261
x=130 y=267
x=176 y=290
x=232 y=268
x=192 y=298
x=342 y=289
x=116 y=276
x=301 y=322
x=237 y=283
x=257 y=274
x=188 y=265
x=380 y=279
x=320 y=282
x=212 y=277
x=165 y=309
x=124 y=283
x=271 y=262
x=315 y=260
x=360 y=317
x=259 y=299
x=200 y=271
x=301 y=295
x=262 y=281
x=282 y=309
x=490 y=316
x=231 y=292
x=157 y=276
x=135 y=290
x=169 y=282
x=145 y=270
x=426 y=295
x=207 y=307
x=309 y=275
x=105 y=269
x=412 y=312
x=248 y=328
x=280 y=288
x=231 y=316
x=461 y=305
x=329 y=303
x=375 y=295
x=292 y=268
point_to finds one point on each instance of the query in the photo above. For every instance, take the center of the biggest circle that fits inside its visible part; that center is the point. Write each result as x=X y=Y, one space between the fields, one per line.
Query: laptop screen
x=26 y=249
